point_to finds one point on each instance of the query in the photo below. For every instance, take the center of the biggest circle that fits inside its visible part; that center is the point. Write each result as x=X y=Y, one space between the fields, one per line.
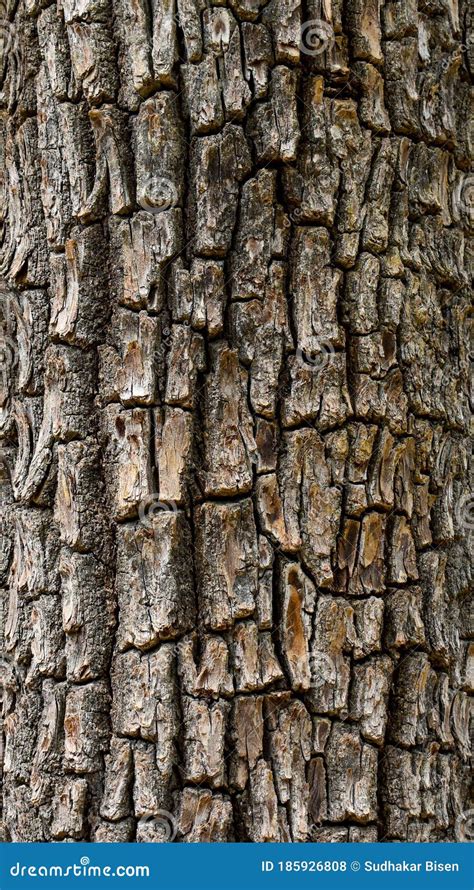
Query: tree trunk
x=234 y=407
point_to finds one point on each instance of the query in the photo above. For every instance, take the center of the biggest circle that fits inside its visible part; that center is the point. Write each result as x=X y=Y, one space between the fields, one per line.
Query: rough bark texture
x=234 y=405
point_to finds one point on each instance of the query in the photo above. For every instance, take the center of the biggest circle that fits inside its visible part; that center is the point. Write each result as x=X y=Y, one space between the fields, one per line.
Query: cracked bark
x=235 y=490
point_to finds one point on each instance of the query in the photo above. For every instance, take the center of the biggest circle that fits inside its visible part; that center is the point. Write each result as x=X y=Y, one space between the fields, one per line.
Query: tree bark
x=234 y=407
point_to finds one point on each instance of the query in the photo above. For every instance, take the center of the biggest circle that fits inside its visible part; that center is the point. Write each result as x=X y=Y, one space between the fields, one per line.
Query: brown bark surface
x=234 y=406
